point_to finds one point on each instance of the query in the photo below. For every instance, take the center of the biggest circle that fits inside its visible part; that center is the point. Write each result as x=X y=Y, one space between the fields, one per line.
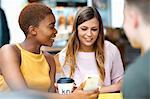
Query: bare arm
x=45 y=95
x=112 y=88
x=52 y=66
x=10 y=67
x=116 y=73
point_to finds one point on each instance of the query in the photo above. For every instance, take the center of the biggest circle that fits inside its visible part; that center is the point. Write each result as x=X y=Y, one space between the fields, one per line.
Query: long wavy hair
x=85 y=14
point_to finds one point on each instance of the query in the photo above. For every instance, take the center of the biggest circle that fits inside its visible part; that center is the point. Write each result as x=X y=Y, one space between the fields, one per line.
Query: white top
x=86 y=65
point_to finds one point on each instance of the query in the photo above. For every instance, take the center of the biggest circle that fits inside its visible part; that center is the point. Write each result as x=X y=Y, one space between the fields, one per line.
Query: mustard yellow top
x=35 y=71
x=3 y=85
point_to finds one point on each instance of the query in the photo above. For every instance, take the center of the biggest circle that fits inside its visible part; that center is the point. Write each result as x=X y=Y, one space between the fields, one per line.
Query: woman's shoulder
x=48 y=55
x=111 y=50
x=8 y=48
x=9 y=53
x=62 y=53
x=108 y=45
x=60 y=57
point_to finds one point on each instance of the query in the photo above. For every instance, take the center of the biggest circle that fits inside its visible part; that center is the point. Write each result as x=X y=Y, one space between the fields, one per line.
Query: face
x=46 y=30
x=88 y=32
x=130 y=27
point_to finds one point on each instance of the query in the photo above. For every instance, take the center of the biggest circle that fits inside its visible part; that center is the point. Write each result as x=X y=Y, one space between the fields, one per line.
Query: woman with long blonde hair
x=87 y=53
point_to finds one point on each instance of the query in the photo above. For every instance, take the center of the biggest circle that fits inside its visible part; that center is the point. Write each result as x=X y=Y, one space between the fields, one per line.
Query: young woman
x=23 y=65
x=87 y=53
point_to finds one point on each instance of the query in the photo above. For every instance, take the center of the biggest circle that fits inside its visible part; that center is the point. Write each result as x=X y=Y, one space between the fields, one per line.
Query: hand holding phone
x=91 y=83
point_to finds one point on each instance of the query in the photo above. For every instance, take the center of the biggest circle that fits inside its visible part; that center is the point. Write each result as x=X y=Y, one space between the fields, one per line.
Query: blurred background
x=65 y=10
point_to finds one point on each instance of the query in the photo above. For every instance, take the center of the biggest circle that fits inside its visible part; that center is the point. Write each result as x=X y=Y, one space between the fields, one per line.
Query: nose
x=89 y=32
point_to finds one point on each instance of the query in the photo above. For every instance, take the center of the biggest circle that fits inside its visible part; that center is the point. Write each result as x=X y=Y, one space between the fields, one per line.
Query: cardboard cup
x=65 y=85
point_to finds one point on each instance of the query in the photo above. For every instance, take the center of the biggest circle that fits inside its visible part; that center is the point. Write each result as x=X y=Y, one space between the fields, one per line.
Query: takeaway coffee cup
x=65 y=85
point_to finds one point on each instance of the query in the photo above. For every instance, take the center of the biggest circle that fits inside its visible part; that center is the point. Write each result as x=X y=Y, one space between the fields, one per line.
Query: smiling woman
x=23 y=65
x=88 y=54
x=27 y=66
x=47 y=30
x=88 y=34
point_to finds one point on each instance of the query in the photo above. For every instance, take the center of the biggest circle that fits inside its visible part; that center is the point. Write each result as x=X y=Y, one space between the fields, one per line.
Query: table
x=111 y=96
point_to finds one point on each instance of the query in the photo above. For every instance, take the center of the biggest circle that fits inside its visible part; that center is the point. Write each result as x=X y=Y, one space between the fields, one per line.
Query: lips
x=88 y=40
x=53 y=37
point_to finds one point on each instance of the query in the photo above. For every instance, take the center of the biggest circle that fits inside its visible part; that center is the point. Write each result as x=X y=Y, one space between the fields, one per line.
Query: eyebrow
x=83 y=26
x=87 y=26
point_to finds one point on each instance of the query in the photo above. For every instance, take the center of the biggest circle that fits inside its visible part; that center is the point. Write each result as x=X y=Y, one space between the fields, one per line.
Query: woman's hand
x=91 y=94
x=111 y=88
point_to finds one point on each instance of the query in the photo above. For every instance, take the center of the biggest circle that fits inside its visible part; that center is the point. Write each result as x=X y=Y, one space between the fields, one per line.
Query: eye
x=94 y=29
x=52 y=26
x=84 y=29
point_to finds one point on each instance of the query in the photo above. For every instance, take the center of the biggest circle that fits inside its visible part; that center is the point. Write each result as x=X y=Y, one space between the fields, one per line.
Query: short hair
x=32 y=15
x=31 y=1
x=143 y=6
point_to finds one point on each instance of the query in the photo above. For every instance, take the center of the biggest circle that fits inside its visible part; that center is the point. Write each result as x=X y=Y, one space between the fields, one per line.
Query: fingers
x=90 y=92
x=94 y=96
x=79 y=92
x=81 y=86
x=55 y=84
x=78 y=96
x=74 y=88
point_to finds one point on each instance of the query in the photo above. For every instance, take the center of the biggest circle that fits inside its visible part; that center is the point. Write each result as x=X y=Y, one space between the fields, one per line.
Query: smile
x=89 y=39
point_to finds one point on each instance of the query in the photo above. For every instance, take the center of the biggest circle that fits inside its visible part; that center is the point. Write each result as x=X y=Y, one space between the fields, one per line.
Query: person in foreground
x=23 y=65
x=88 y=54
x=136 y=83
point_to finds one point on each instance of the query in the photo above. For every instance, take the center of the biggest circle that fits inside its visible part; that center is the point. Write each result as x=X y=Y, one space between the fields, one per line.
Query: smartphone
x=91 y=83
